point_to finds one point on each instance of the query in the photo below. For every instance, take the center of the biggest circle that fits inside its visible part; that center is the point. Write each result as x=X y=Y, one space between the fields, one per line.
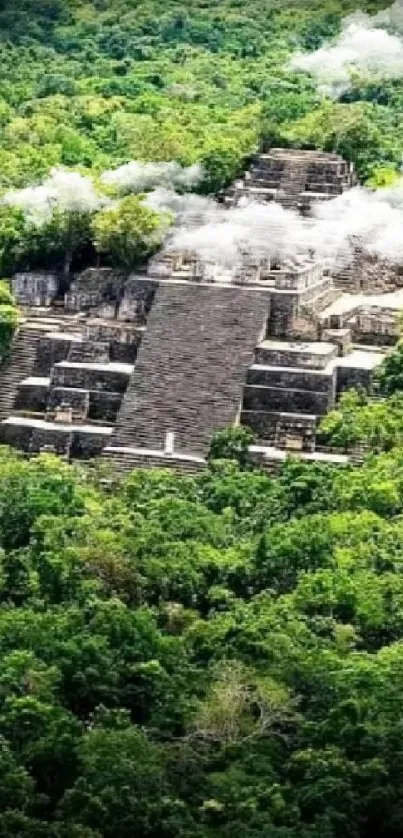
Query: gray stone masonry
x=289 y=308
x=289 y=378
x=137 y=299
x=91 y=376
x=75 y=441
x=301 y=379
x=368 y=274
x=341 y=337
x=312 y=355
x=357 y=369
x=376 y=327
x=89 y=350
x=19 y=364
x=95 y=288
x=77 y=399
x=191 y=366
x=275 y=428
x=104 y=406
x=32 y=395
x=53 y=348
x=294 y=177
x=35 y=289
x=124 y=460
x=286 y=400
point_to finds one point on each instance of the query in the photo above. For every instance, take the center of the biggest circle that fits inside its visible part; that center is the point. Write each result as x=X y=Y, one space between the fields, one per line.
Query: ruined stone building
x=294 y=178
x=143 y=370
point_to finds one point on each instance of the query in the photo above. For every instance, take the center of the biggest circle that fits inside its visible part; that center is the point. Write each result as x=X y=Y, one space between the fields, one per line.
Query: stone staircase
x=344 y=279
x=292 y=183
x=54 y=319
x=125 y=460
x=191 y=367
x=18 y=364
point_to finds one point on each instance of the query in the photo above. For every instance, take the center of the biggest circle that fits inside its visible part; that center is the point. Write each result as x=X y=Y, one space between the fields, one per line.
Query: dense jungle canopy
x=94 y=84
x=215 y=656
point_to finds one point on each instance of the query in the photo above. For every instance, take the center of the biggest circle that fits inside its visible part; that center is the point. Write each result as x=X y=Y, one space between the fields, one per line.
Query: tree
x=122 y=786
x=129 y=231
x=232 y=444
x=57 y=213
x=390 y=373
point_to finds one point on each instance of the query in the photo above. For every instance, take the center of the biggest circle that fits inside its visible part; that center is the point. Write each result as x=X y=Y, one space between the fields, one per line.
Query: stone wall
x=73 y=442
x=35 y=289
x=78 y=399
x=96 y=289
x=52 y=349
x=32 y=396
x=376 y=327
x=286 y=400
x=368 y=274
x=294 y=177
x=349 y=377
x=108 y=377
x=291 y=378
x=289 y=354
x=104 y=406
x=281 y=429
x=137 y=299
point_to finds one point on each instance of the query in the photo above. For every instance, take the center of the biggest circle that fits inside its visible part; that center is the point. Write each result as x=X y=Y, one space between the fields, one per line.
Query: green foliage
x=91 y=85
x=97 y=83
x=201 y=656
x=232 y=444
x=8 y=317
x=218 y=655
x=129 y=231
x=390 y=374
x=355 y=420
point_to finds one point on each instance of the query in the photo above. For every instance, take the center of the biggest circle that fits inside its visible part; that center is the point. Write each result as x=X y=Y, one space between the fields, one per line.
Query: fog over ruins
x=262 y=306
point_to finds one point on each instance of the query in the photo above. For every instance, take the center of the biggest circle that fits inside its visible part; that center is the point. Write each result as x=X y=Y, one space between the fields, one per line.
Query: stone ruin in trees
x=143 y=370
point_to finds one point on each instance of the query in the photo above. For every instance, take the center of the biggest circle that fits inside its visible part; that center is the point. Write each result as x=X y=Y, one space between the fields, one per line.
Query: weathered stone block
x=309 y=355
x=292 y=378
x=92 y=376
x=35 y=289
x=137 y=299
x=78 y=399
x=290 y=401
x=32 y=395
x=52 y=349
x=104 y=407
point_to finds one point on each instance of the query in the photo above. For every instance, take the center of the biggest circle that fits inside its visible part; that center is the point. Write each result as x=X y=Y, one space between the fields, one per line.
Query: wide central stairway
x=190 y=371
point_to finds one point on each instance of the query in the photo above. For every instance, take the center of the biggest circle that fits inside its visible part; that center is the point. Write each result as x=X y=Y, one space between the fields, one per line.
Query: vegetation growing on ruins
x=90 y=85
x=219 y=655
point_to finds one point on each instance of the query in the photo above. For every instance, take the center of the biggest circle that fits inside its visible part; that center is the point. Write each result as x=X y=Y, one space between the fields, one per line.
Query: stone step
x=18 y=365
x=124 y=460
x=191 y=366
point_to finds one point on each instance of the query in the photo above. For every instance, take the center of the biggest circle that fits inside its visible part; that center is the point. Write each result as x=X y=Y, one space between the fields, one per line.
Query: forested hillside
x=87 y=87
x=95 y=84
x=209 y=657
x=194 y=658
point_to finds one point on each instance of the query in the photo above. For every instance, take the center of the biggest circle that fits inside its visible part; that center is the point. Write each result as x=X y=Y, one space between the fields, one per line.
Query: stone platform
x=144 y=369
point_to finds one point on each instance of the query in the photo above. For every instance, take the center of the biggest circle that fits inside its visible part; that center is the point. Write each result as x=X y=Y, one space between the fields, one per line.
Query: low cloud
x=367 y=47
x=65 y=191
x=261 y=232
x=137 y=177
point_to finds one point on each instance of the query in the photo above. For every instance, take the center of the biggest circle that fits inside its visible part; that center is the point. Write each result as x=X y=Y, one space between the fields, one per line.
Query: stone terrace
x=145 y=369
x=294 y=178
